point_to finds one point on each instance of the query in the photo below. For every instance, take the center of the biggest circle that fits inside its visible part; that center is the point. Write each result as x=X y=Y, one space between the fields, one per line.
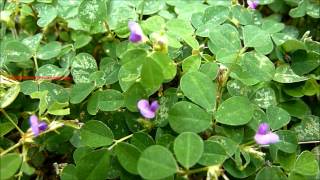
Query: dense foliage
x=159 y=89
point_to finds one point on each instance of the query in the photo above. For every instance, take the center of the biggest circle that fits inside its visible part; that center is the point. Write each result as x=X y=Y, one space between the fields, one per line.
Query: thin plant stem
x=116 y=142
x=120 y=140
x=11 y=148
x=106 y=25
x=309 y=142
x=142 y=9
x=9 y=118
x=35 y=62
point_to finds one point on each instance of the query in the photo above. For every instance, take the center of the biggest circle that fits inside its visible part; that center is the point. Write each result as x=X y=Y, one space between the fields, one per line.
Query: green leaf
x=299 y=11
x=191 y=41
x=265 y=97
x=130 y=72
x=226 y=56
x=96 y=134
x=210 y=69
x=156 y=162
x=150 y=7
x=10 y=163
x=242 y=15
x=286 y=160
x=284 y=74
x=288 y=141
x=69 y=173
x=5 y=125
x=168 y=67
x=293 y=45
x=153 y=24
x=128 y=156
x=191 y=63
x=142 y=140
x=235 y=111
x=92 y=11
x=133 y=55
x=41 y=95
x=82 y=66
x=216 y=14
x=303 y=62
x=98 y=78
x=111 y=68
x=254 y=36
x=258 y=66
x=296 y=108
x=200 y=89
x=275 y=172
x=277 y=117
x=272 y=26
x=57 y=108
x=50 y=72
x=188 y=148
x=15 y=51
x=80 y=91
x=237 y=88
x=94 y=165
x=242 y=75
x=151 y=76
x=225 y=36
x=80 y=39
x=49 y=51
x=179 y=27
x=213 y=154
x=33 y=42
x=46 y=13
x=10 y=94
x=185 y=116
x=110 y=100
x=80 y=152
x=306 y=164
x=27 y=169
x=308 y=128
x=133 y=95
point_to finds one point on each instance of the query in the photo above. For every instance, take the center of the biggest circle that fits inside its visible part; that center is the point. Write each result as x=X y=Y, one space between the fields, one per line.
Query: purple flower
x=264 y=136
x=37 y=126
x=253 y=4
x=136 y=34
x=147 y=110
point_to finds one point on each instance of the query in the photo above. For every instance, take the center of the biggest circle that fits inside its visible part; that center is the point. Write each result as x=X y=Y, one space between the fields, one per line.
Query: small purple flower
x=264 y=136
x=147 y=110
x=253 y=4
x=37 y=126
x=136 y=34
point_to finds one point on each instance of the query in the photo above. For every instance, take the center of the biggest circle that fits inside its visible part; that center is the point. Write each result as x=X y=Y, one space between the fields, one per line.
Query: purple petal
x=263 y=128
x=154 y=106
x=43 y=126
x=143 y=104
x=147 y=113
x=269 y=138
x=273 y=137
x=135 y=37
x=34 y=124
x=136 y=33
x=253 y=4
x=145 y=110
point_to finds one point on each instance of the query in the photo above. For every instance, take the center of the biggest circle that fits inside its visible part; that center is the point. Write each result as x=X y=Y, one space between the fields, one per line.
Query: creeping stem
x=9 y=118
x=119 y=141
x=11 y=148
